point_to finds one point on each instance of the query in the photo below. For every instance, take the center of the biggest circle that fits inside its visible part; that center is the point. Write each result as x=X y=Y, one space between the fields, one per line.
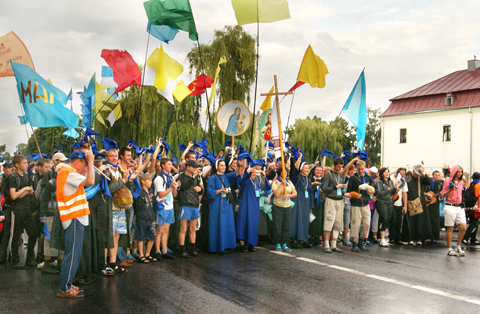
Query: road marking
x=381 y=278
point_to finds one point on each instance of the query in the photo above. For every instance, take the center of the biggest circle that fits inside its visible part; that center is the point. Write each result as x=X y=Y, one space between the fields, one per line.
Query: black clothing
x=329 y=186
x=188 y=196
x=353 y=186
x=420 y=227
x=434 y=211
x=18 y=182
x=143 y=207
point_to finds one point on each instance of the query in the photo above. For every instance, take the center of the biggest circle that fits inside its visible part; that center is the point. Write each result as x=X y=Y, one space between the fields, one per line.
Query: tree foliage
x=373 y=136
x=47 y=146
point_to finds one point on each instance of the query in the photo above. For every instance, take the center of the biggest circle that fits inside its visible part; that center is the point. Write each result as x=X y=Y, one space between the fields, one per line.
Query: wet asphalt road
x=399 y=279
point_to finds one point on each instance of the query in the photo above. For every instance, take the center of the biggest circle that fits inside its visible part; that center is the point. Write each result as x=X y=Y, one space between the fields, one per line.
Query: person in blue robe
x=233 y=121
x=249 y=211
x=221 y=233
x=304 y=204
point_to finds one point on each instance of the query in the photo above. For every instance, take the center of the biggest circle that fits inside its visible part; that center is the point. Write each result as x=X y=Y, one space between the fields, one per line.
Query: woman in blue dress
x=249 y=210
x=233 y=121
x=304 y=204
x=221 y=225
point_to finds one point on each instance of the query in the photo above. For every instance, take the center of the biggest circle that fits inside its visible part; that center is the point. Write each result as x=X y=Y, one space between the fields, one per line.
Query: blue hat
x=174 y=159
x=77 y=155
x=228 y=142
x=210 y=159
x=258 y=162
x=245 y=156
x=109 y=144
x=270 y=145
x=181 y=146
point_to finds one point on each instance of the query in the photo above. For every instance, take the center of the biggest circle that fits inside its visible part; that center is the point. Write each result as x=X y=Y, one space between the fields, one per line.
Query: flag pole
x=35 y=137
x=141 y=87
x=280 y=136
x=333 y=127
x=256 y=81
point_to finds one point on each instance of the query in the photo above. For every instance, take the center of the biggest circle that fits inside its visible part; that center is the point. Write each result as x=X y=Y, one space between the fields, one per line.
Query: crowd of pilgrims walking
x=99 y=211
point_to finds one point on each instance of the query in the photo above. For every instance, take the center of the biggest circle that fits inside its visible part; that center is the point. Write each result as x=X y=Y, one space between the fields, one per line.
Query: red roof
x=464 y=85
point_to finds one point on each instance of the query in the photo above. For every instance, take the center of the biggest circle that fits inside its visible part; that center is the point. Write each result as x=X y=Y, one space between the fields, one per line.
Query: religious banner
x=265 y=125
x=233 y=118
x=12 y=48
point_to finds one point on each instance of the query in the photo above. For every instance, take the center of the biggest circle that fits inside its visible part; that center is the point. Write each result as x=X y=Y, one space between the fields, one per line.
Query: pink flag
x=297 y=85
x=125 y=69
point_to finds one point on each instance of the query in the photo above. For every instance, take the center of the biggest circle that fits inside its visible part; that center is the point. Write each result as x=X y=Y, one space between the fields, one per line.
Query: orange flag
x=12 y=48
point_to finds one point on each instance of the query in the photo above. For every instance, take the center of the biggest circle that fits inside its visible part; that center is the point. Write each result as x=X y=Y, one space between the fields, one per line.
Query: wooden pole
x=38 y=146
x=233 y=144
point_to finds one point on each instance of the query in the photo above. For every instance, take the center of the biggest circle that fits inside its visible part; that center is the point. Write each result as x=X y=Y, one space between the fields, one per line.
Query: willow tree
x=309 y=134
x=236 y=76
x=49 y=139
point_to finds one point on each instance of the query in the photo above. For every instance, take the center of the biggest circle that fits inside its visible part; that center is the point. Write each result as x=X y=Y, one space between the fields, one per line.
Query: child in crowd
x=145 y=220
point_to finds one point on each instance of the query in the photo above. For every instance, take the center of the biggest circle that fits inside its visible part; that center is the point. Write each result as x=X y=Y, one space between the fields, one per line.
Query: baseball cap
x=77 y=155
x=59 y=156
x=191 y=163
x=373 y=169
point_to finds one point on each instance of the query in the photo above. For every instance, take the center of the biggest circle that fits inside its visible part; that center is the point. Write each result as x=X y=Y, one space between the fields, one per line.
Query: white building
x=437 y=124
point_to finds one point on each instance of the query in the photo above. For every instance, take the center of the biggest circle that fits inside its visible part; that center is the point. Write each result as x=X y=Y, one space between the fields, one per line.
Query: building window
x=403 y=136
x=447 y=133
x=449 y=99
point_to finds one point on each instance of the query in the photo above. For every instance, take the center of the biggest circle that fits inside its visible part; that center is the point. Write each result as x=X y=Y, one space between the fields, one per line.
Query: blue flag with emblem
x=44 y=104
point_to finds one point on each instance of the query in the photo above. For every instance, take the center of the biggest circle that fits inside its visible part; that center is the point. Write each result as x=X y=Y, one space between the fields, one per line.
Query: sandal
x=151 y=258
x=108 y=271
x=143 y=260
x=120 y=270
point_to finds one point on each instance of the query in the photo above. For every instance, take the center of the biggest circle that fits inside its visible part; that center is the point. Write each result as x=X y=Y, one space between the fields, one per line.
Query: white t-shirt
x=161 y=186
x=399 y=202
x=71 y=186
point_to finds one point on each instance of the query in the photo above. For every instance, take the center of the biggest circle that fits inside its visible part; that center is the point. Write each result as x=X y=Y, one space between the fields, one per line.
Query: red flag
x=297 y=85
x=125 y=69
x=198 y=85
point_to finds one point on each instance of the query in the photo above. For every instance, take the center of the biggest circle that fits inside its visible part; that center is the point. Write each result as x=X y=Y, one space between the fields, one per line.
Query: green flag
x=174 y=13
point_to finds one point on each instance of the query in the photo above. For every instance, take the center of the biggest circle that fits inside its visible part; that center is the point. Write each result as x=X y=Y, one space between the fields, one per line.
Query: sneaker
x=72 y=294
x=347 y=243
x=278 y=248
x=464 y=242
x=41 y=265
x=419 y=243
x=169 y=256
x=364 y=249
x=158 y=256
x=108 y=271
x=384 y=243
x=287 y=249
x=369 y=243
x=451 y=252
x=355 y=249
x=338 y=250
x=411 y=243
x=327 y=250
x=459 y=251
x=376 y=241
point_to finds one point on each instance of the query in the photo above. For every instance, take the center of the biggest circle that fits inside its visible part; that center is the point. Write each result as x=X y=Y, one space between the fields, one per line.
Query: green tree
x=373 y=137
x=3 y=148
x=347 y=138
x=49 y=139
x=21 y=148
x=6 y=156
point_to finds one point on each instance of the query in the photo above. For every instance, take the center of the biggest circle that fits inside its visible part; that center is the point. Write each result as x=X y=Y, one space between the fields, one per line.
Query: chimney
x=473 y=64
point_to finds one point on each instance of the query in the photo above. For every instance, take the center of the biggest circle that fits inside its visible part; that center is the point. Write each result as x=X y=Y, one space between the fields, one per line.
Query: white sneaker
x=384 y=243
x=459 y=251
x=40 y=265
x=452 y=252
x=55 y=263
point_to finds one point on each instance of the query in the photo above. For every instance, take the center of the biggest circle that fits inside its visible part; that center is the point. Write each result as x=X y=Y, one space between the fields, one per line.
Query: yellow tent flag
x=117 y=112
x=312 y=70
x=100 y=119
x=101 y=96
x=214 y=85
x=268 y=11
x=267 y=103
x=181 y=91
x=165 y=67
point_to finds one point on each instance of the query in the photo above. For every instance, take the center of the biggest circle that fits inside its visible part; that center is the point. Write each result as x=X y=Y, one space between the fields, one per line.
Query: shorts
x=144 y=230
x=119 y=222
x=167 y=216
x=454 y=215
x=333 y=215
x=189 y=213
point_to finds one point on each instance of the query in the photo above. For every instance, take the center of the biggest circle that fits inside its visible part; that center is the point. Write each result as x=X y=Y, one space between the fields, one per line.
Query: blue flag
x=23 y=120
x=164 y=33
x=355 y=109
x=107 y=71
x=44 y=104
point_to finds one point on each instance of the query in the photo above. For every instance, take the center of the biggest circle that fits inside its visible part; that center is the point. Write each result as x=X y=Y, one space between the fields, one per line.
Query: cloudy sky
x=401 y=44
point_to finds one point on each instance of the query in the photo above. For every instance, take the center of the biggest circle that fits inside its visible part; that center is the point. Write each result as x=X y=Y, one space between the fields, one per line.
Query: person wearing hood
x=420 y=228
x=454 y=212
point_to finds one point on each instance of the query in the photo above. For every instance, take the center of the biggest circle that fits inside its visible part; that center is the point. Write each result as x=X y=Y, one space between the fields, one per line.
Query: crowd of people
x=99 y=211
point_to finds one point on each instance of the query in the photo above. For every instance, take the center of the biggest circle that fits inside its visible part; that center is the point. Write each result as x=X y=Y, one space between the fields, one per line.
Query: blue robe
x=249 y=211
x=232 y=125
x=221 y=226
x=301 y=209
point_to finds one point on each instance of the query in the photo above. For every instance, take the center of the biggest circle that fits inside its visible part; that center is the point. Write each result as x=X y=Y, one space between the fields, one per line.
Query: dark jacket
x=384 y=194
x=188 y=196
x=353 y=186
x=144 y=207
x=330 y=181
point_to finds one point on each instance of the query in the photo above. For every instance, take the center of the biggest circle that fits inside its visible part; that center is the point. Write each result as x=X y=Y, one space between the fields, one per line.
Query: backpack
x=122 y=198
x=38 y=189
x=469 y=197
x=155 y=192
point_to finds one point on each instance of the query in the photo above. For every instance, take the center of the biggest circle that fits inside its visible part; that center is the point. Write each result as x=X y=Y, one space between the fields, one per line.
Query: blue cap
x=77 y=155
x=109 y=144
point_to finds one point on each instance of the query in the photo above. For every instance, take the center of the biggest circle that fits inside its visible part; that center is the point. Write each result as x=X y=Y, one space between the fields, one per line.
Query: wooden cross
x=276 y=93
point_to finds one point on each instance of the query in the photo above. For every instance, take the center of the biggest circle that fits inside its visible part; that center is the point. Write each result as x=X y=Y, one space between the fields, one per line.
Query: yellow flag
x=267 y=103
x=312 y=70
x=100 y=119
x=214 y=88
x=101 y=96
x=117 y=112
x=268 y=11
x=12 y=48
x=181 y=91
x=165 y=67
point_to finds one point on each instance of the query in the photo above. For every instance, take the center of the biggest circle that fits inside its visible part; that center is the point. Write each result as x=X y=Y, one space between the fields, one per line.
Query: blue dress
x=232 y=125
x=301 y=209
x=221 y=226
x=249 y=211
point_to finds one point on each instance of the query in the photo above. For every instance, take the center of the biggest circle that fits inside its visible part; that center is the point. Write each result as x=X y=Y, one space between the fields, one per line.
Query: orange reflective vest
x=71 y=206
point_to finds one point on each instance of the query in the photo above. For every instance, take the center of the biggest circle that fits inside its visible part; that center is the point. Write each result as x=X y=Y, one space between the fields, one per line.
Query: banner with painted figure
x=233 y=118
x=265 y=125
